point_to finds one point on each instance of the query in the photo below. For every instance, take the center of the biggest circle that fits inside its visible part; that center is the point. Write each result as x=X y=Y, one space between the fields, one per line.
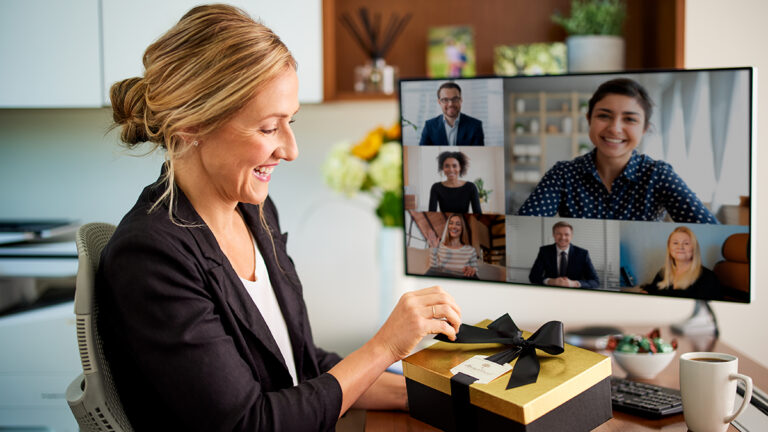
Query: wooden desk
x=374 y=421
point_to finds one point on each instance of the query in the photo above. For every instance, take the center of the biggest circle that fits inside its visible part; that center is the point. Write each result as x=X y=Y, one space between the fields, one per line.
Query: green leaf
x=390 y=209
x=593 y=17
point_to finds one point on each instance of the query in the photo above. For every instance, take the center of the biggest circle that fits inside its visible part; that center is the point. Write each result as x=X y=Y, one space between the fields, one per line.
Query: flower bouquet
x=374 y=166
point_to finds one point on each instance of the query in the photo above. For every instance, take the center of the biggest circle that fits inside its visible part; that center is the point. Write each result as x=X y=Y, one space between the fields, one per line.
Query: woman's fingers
x=434 y=303
x=435 y=295
x=418 y=313
x=440 y=326
x=444 y=312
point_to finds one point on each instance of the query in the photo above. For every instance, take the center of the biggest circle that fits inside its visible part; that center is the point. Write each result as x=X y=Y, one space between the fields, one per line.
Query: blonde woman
x=453 y=255
x=202 y=314
x=683 y=274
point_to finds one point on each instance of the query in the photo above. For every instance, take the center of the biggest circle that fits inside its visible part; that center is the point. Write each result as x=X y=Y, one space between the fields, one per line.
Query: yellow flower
x=369 y=147
x=373 y=166
x=394 y=132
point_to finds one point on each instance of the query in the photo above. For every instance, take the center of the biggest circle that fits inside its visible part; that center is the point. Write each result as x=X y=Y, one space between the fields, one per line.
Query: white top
x=264 y=296
x=451 y=131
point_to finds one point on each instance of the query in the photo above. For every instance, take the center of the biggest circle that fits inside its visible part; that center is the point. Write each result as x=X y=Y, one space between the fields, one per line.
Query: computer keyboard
x=644 y=400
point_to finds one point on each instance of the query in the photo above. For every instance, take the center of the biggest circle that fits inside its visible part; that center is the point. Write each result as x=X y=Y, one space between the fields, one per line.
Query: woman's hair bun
x=129 y=110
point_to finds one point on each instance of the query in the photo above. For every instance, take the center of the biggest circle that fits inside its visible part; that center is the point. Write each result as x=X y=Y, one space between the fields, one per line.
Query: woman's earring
x=195 y=143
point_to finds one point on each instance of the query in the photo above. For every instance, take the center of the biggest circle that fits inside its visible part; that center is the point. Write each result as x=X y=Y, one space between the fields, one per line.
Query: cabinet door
x=50 y=53
x=129 y=27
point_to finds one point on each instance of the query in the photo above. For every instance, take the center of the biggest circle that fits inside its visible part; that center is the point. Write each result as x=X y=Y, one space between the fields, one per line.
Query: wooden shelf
x=357 y=96
x=654 y=34
x=544 y=139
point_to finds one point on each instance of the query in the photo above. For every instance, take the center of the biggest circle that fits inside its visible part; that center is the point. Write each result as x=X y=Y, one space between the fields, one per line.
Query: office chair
x=92 y=396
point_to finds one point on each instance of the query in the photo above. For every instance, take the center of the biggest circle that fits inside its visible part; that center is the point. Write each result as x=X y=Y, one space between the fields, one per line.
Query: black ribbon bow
x=548 y=338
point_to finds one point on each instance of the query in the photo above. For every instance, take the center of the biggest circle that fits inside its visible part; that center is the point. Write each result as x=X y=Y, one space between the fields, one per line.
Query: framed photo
x=451 y=52
x=533 y=59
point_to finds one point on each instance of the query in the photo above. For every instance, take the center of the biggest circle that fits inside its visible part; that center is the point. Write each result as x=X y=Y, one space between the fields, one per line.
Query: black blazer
x=470 y=132
x=706 y=287
x=580 y=267
x=188 y=347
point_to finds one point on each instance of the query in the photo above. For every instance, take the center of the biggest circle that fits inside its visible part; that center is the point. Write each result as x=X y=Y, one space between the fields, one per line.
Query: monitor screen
x=635 y=182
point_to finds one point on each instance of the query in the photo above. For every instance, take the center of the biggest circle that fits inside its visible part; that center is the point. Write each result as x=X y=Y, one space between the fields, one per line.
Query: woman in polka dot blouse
x=614 y=181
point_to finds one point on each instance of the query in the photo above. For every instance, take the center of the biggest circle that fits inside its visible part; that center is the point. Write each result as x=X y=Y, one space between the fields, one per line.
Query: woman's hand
x=417 y=314
x=432 y=239
x=469 y=271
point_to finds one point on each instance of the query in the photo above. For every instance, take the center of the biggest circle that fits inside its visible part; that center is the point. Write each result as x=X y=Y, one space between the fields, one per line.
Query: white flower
x=343 y=172
x=386 y=168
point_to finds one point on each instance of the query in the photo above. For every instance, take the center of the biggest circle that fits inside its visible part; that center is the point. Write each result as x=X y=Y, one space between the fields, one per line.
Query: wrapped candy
x=650 y=343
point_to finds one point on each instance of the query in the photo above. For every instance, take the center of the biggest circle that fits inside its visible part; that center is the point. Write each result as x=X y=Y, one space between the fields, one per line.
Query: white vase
x=391 y=259
x=595 y=53
x=567 y=125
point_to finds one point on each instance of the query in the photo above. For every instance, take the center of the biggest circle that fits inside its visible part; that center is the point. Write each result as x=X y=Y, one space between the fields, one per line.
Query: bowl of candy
x=642 y=356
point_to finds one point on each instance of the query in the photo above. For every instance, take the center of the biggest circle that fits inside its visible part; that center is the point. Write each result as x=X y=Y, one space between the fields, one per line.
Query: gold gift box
x=561 y=378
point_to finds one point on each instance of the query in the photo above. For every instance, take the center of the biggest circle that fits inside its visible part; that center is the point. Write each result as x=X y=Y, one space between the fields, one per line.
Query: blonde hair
x=196 y=76
x=670 y=266
x=464 y=239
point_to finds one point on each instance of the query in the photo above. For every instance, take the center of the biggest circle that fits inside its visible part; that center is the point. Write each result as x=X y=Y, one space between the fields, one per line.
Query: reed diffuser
x=375 y=76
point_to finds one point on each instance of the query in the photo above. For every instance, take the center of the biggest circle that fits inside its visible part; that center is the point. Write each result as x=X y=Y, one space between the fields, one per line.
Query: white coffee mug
x=708 y=387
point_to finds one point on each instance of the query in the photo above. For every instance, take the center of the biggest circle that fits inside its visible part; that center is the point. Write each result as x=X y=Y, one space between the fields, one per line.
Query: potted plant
x=482 y=192
x=594 y=29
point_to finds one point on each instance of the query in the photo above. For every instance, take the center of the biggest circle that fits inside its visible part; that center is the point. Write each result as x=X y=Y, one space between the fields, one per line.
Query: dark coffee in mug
x=708 y=386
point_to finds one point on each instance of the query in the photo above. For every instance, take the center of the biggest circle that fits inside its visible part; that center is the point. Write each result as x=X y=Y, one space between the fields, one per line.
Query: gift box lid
x=561 y=377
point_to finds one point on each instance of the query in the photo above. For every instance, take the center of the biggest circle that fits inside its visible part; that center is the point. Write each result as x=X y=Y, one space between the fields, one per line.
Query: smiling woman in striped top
x=452 y=256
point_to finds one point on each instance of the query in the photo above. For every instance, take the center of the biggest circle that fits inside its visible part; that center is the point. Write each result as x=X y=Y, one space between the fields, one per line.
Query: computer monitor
x=642 y=178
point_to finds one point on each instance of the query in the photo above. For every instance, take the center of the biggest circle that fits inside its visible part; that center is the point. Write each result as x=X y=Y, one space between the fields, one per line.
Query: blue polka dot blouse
x=645 y=191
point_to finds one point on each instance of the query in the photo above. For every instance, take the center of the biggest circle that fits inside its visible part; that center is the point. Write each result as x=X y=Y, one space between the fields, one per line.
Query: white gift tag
x=484 y=370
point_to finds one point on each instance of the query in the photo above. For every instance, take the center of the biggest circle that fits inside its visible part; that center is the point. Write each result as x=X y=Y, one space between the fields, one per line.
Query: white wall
x=732 y=34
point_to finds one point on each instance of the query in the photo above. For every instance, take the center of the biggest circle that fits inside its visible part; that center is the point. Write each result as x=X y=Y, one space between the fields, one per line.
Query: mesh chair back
x=92 y=396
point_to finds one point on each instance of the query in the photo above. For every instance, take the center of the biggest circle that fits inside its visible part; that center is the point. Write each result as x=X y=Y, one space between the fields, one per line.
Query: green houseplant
x=593 y=17
x=594 y=30
x=482 y=192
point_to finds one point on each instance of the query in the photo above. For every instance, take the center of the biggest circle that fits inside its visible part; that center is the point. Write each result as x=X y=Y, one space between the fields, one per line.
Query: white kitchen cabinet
x=50 y=54
x=129 y=27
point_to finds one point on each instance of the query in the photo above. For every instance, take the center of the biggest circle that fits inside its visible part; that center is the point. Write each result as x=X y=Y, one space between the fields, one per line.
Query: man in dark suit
x=563 y=264
x=452 y=127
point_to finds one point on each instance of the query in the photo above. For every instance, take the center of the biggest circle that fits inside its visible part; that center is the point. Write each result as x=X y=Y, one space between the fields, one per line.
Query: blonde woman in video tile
x=451 y=254
x=682 y=274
